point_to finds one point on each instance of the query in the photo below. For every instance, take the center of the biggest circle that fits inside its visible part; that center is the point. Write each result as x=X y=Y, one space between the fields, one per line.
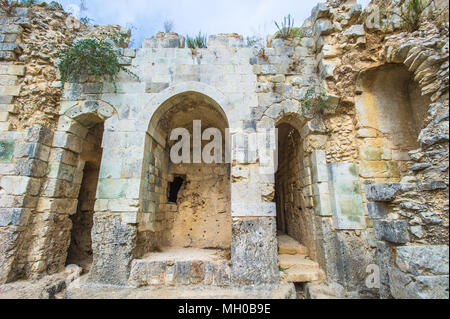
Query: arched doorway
x=80 y=248
x=295 y=220
x=186 y=214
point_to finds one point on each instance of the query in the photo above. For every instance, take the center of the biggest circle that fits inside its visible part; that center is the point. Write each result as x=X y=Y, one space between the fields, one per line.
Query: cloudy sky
x=246 y=17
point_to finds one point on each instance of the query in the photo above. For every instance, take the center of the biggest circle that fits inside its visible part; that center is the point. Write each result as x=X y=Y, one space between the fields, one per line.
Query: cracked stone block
x=394 y=231
x=382 y=192
x=423 y=260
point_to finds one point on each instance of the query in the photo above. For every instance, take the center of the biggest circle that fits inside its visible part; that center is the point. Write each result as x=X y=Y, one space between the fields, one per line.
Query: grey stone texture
x=394 y=231
x=112 y=245
x=254 y=251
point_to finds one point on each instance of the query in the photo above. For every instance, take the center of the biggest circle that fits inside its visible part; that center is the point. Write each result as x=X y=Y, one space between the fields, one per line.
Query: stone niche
x=391 y=112
x=193 y=199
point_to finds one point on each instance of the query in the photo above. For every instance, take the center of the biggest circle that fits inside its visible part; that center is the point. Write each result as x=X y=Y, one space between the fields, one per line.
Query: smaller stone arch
x=92 y=112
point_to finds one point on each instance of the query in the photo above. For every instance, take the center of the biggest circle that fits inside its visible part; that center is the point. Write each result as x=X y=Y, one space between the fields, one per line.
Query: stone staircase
x=294 y=263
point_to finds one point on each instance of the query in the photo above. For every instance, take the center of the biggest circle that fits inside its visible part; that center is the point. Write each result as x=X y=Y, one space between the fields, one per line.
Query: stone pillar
x=118 y=207
x=253 y=211
x=23 y=163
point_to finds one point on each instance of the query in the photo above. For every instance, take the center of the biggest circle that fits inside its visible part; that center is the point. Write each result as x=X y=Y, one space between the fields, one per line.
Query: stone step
x=324 y=291
x=288 y=245
x=181 y=266
x=297 y=275
x=298 y=262
x=177 y=273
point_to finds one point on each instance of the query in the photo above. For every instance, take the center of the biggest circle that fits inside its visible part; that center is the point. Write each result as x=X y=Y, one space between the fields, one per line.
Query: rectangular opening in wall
x=174 y=188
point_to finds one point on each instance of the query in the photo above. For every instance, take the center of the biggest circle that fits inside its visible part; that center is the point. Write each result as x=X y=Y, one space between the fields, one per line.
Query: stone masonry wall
x=367 y=200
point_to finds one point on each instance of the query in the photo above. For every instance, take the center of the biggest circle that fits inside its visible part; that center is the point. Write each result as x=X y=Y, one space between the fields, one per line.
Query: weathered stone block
x=423 y=260
x=319 y=166
x=113 y=244
x=39 y=134
x=377 y=210
x=346 y=199
x=14 y=216
x=254 y=251
x=6 y=150
x=356 y=30
x=394 y=231
x=20 y=185
x=382 y=192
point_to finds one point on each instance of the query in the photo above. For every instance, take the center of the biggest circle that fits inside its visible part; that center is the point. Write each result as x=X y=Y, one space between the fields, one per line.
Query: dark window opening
x=174 y=188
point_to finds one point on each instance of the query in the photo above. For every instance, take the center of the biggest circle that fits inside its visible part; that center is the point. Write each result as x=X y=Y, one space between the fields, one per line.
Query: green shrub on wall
x=315 y=101
x=91 y=57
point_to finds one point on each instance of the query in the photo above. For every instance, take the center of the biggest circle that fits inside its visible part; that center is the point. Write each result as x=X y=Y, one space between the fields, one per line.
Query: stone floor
x=279 y=291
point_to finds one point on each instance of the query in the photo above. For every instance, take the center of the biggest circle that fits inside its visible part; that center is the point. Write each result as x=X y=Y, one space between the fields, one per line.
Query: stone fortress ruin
x=358 y=204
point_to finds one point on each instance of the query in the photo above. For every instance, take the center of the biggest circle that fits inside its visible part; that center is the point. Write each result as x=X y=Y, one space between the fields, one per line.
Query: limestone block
x=315 y=125
x=377 y=210
x=273 y=111
x=240 y=172
x=319 y=166
x=64 y=156
x=14 y=216
x=63 y=206
x=382 y=192
x=67 y=141
x=291 y=106
x=406 y=286
x=331 y=51
x=118 y=188
x=394 y=231
x=322 y=205
x=226 y=41
x=123 y=205
x=172 y=42
x=18 y=70
x=61 y=171
x=20 y=185
x=66 y=124
x=112 y=244
x=7 y=168
x=356 y=30
x=423 y=260
x=323 y=27
x=244 y=209
x=31 y=167
x=32 y=150
x=7 y=147
x=346 y=200
x=254 y=251
x=40 y=134
x=319 y=11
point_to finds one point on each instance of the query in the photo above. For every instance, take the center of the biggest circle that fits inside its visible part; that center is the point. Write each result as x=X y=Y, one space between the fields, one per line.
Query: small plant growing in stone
x=253 y=41
x=197 y=42
x=86 y=20
x=168 y=26
x=120 y=39
x=411 y=13
x=285 y=28
x=315 y=101
x=92 y=57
